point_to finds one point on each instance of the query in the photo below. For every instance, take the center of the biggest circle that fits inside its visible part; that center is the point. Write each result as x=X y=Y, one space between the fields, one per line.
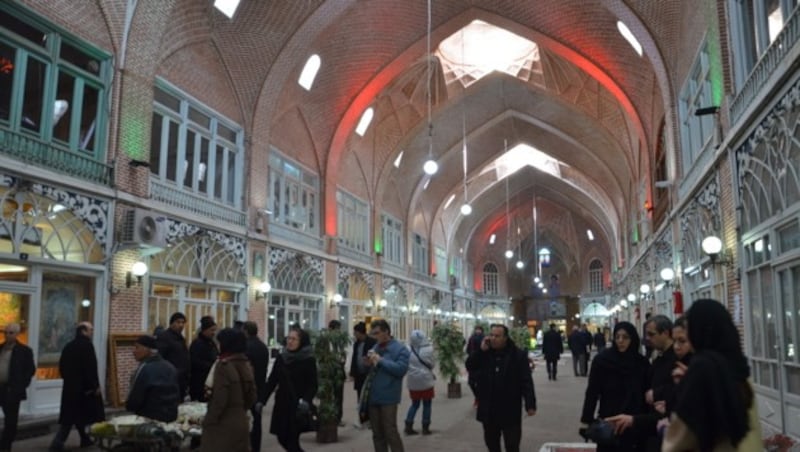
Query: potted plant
x=522 y=338
x=330 y=351
x=449 y=343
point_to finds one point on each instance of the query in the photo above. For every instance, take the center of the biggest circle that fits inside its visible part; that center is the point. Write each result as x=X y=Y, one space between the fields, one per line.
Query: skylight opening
x=227 y=7
x=398 y=160
x=589 y=234
x=309 y=73
x=492 y=239
x=449 y=201
x=427 y=182
x=628 y=35
x=481 y=48
x=363 y=123
x=522 y=155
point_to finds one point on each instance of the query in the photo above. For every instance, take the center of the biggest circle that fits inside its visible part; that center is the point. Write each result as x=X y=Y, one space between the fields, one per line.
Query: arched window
x=490 y=279
x=596 y=276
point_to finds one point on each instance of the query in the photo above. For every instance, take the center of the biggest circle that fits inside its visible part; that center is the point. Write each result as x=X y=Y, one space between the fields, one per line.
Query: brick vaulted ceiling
x=597 y=107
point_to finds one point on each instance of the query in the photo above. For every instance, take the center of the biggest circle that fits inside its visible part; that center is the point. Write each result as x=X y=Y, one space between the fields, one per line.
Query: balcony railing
x=200 y=205
x=770 y=60
x=46 y=155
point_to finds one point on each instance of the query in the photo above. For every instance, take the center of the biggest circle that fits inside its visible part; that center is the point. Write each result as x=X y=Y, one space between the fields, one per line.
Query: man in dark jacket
x=258 y=354
x=202 y=354
x=81 y=401
x=504 y=379
x=172 y=347
x=359 y=364
x=16 y=371
x=474 y=344
x=154 y=384
x=552 y=348
x=577 y=345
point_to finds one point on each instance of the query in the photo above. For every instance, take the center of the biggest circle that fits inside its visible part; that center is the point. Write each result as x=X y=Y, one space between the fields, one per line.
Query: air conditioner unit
x=144 y=228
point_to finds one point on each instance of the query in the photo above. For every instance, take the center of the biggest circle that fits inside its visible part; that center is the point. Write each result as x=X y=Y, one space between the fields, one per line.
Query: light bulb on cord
x=509 y=254
x=520 y=264
x=430 y=167
x=466 y=209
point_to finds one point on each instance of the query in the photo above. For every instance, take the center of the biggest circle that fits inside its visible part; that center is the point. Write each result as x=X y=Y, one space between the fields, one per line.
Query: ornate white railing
x=172 y=196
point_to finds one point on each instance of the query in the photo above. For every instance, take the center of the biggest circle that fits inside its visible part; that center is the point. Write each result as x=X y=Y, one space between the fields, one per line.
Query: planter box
x=328 y=433
x=454 y=390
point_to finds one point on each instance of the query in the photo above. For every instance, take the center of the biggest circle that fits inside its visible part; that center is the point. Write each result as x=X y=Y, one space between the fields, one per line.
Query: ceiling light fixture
x=430 y=167
x=466 y=209
x=509 y=254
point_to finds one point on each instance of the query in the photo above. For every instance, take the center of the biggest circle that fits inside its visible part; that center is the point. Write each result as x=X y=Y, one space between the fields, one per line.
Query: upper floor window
x=596 y=276
x=195 y=149
x=392 y=232
x=353 y=222
x=420 y=255
x=755 y=24
x=490 y=278
x=696 y=131
x=293 y=195
x=52 y=86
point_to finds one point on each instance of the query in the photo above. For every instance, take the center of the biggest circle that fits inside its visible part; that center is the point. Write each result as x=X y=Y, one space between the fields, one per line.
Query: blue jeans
x=426 y=411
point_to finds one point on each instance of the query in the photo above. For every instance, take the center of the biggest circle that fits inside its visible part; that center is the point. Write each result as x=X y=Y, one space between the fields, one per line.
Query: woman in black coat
x=618 y=381
x=295 y=375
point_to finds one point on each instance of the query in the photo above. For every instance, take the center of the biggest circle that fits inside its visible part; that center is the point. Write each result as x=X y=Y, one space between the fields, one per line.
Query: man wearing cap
x=16 y=370
x=172 y=347
x=202 y=354
x=154 y=384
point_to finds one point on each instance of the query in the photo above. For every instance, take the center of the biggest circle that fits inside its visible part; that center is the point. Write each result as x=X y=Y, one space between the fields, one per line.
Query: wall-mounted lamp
x=382 y=304
x=644 y=289
x=667 y=275
x=138 y=270
x=336 y=300
x=712 y=246
x=263 y=290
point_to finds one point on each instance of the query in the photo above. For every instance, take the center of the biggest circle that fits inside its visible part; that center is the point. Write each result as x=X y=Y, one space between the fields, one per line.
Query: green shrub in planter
x=330 y=351
x=448 y=340
x=521 y=336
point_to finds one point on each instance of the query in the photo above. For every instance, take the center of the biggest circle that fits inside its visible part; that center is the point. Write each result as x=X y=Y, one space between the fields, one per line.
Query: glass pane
x=15 y=25
x=770 y=314
x=34 y=95
x=187 y=176
x=172 y=151
x=755 y=312
x=15 y=273
x=80 y=59
x=155 y=143
x=89 y=110
x=202 y=169
x=219 y=171
x=226 y=133
x=793 y=379
x=199 y=118
x=789 y=237
x=7 y=62
x=167 y=100
x=66 y=300
x=774 y=18
x=231 y=162
x=62 y=109
x=787 y=299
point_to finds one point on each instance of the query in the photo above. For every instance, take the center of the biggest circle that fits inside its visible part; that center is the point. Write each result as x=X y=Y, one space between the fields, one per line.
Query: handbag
x=306 y=418
x=363 y=402
x=600 y=432
x=430 y=367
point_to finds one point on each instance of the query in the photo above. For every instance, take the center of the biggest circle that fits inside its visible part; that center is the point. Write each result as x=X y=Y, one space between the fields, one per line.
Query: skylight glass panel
x=363 y=124
x=522 y=155
x=481 y=48
x=628 y=35
x=492 y=239
x=590 y=234
x=227 y=7
x=309 y=73
x=398 y=160
x=449 y=201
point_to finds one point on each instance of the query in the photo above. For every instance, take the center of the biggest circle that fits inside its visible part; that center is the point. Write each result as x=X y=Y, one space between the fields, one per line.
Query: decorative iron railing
x=766 y=66
x=33 y=151
x=172 y=196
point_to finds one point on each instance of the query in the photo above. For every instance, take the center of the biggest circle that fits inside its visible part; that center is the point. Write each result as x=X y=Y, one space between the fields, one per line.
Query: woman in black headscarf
x=715 y=409
x=295 y=375
x=618 y=380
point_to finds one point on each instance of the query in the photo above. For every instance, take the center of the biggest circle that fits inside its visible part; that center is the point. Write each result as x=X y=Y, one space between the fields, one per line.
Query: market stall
x=137 y=433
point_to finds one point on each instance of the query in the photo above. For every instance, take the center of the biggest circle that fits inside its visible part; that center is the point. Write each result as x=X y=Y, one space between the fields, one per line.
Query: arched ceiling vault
x=590 y=110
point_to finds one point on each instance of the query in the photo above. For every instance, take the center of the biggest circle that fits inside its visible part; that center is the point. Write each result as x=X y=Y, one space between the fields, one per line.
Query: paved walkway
x=454 y=426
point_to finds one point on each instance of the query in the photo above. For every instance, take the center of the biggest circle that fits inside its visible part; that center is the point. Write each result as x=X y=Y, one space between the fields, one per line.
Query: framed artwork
x=61 y=304
x=120 y=365
x=258 y=265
